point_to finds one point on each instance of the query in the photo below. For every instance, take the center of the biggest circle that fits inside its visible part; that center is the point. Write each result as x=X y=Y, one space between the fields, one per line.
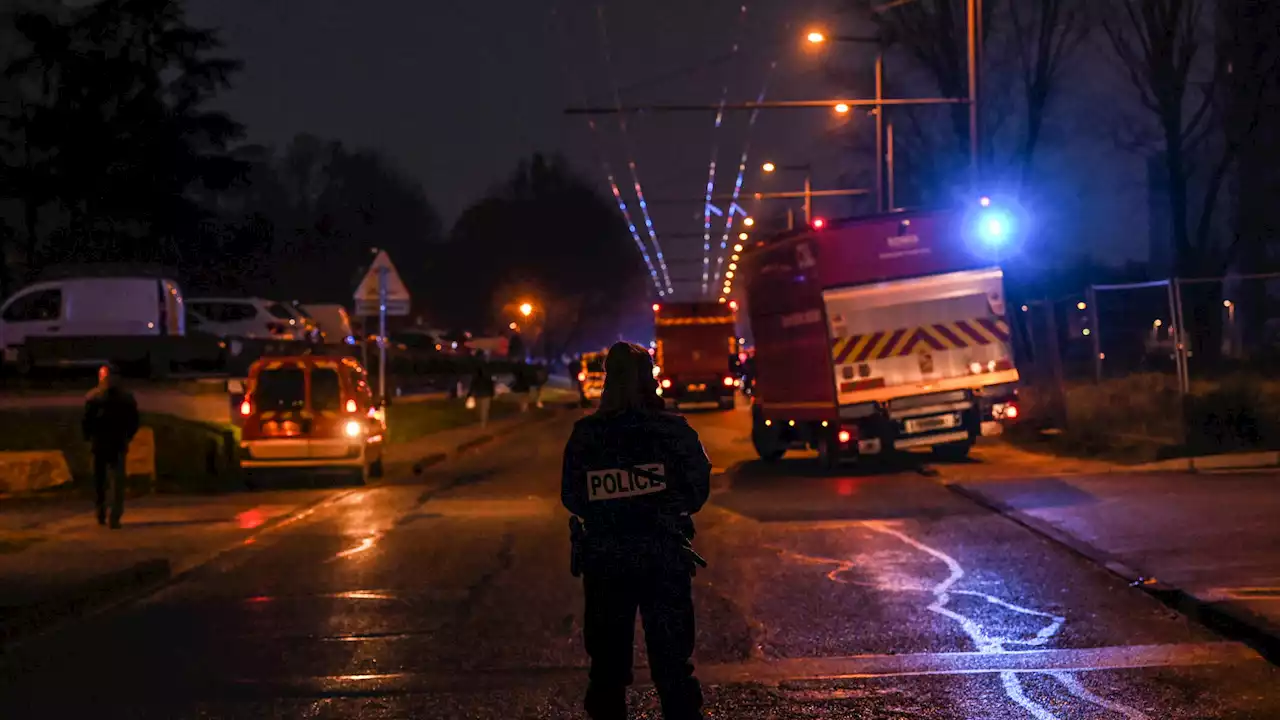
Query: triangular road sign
x=396 y=290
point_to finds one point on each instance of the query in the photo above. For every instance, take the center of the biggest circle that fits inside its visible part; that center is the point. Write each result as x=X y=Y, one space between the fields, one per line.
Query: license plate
x=697 y=388
x=938 y=422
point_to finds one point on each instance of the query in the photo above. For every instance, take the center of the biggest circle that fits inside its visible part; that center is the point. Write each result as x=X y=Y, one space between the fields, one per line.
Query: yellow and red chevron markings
x=904 y=341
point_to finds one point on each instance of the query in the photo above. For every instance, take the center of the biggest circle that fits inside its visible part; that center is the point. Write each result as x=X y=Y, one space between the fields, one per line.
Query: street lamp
x=815 y=37
x=770 y=167
x=749 y=221
x=526 y=309
x=842 y=108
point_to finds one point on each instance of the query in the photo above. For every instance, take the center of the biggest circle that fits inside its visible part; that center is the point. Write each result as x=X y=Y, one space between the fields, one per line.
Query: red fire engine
x=880 y=333
x=696 y=353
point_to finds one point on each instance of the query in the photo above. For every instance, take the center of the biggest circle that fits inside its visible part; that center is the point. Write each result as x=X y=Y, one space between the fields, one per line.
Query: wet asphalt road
x=828 y=596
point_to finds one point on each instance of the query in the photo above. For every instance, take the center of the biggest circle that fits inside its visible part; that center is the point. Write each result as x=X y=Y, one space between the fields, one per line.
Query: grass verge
x=409 y=421
x=190 y=456
x=1141 y=418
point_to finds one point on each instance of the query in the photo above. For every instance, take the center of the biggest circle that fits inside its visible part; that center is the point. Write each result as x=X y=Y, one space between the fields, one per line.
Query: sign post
x=382 y=293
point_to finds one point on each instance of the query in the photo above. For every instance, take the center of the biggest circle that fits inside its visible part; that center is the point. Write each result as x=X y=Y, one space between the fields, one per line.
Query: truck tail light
x=246 y=408
x=582 y=377
x=728 y=381
x=844 y=436
x=1011 y=412
x=1005 y=411
x=351 y=406
x=666 y=383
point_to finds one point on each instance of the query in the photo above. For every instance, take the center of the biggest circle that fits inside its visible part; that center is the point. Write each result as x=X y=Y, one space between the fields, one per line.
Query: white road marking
x=986 y=641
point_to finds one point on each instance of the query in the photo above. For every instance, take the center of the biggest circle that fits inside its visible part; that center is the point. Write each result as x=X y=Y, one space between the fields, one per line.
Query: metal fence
x=1156 y=362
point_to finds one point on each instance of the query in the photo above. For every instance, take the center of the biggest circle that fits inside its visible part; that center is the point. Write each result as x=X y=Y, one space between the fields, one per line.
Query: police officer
x=634 y=474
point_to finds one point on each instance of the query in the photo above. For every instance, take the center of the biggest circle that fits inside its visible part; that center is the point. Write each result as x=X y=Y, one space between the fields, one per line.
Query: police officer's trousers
x=664 y=597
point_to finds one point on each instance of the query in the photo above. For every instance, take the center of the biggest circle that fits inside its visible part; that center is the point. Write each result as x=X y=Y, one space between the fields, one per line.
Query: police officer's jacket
x=598 y=485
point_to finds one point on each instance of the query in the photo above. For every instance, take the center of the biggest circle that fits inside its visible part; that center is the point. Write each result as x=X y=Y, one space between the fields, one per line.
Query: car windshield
x=281 y=389
x=280 y=311
x=595 y=365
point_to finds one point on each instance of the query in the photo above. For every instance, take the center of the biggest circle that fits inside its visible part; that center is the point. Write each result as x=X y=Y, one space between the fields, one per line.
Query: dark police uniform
x=633 y=556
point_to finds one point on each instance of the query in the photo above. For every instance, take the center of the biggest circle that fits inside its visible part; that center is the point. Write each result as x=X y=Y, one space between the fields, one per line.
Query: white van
x=90 y=319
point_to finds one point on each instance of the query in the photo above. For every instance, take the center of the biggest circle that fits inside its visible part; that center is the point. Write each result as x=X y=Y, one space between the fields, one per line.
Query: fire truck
x=696 y=353
x=880 y=334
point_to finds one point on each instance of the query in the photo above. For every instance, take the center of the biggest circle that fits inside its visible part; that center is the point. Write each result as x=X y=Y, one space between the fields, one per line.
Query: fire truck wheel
x=767 y=445
x=953 y=452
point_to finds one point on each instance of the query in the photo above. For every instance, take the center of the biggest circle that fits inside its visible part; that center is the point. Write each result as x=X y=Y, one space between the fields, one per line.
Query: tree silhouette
x=548 y=235
x=114 y=138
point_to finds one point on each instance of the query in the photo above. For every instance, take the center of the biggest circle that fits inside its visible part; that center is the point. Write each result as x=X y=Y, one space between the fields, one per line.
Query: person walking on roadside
x=632 y=477
x=109 y=424
x=522 y=385
x=540 y=377
x=482 y=389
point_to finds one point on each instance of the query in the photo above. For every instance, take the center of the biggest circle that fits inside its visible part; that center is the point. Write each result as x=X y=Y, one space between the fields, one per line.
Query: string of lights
x=631 y=163
x=711 y=171
x=598 y=148
x=742 y=170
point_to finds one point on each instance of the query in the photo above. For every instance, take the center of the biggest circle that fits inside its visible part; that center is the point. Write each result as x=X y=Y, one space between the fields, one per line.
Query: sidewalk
x=1208 y=545
x=55 y=560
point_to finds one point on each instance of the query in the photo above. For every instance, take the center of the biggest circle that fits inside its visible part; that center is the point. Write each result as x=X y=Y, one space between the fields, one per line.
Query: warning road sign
x=370 y=296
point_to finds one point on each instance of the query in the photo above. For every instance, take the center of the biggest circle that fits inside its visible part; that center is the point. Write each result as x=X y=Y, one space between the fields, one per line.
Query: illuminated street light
x=513 y=326
x=1226 y=303
x=815 y=37
x=1081 y=306
x=749 y=221
x=722 y=301
x=842 y=108
x=526 y=309
x=733 y=266
x=729 y=274
x=737 y=248
x=768 y=167
x=743 y=236
x=734 y=258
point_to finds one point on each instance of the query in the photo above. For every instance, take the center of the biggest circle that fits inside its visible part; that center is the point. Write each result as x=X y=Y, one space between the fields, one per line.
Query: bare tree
x=1166 y=48
x=1026 y=44
x=1046 y=33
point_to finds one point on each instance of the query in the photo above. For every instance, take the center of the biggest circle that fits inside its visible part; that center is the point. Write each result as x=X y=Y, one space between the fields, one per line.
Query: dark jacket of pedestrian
x=522 y=379
x=110 y=419
x=482 y=382
x=635 y=552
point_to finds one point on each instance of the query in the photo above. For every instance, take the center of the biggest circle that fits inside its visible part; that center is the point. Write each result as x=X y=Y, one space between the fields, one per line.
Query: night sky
x=456 y=92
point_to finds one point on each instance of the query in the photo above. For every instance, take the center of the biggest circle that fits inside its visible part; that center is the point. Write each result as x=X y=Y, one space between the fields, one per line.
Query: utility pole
x=975 y=60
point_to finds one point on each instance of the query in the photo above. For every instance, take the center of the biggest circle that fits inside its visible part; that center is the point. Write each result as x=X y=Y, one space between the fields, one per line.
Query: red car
x=312 y=413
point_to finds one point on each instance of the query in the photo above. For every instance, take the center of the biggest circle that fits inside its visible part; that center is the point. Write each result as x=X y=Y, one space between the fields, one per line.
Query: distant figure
x=634 y=475
x=110 y=422
x=540 y=377
x=482 y=389
x=522 y=385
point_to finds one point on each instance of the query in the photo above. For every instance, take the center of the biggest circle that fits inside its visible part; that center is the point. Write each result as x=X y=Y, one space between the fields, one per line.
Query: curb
x=1237 y=461
x=1227 y=619
x=102 y=592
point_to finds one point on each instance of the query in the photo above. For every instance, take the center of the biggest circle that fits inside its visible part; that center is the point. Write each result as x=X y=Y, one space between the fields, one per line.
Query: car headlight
x=354 y=429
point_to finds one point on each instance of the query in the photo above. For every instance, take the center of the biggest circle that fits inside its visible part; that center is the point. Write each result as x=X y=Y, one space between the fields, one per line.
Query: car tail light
x=351 y=406
x=666 y=383
x=246 y=408
x=1011 y=412
x=844 y=436
x=1004 y=411
x=728 y=381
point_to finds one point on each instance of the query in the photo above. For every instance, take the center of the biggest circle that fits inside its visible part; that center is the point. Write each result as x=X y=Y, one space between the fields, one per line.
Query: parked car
x=311 y=412
x=92 y=320
x=334 y=322
x=245 y=317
